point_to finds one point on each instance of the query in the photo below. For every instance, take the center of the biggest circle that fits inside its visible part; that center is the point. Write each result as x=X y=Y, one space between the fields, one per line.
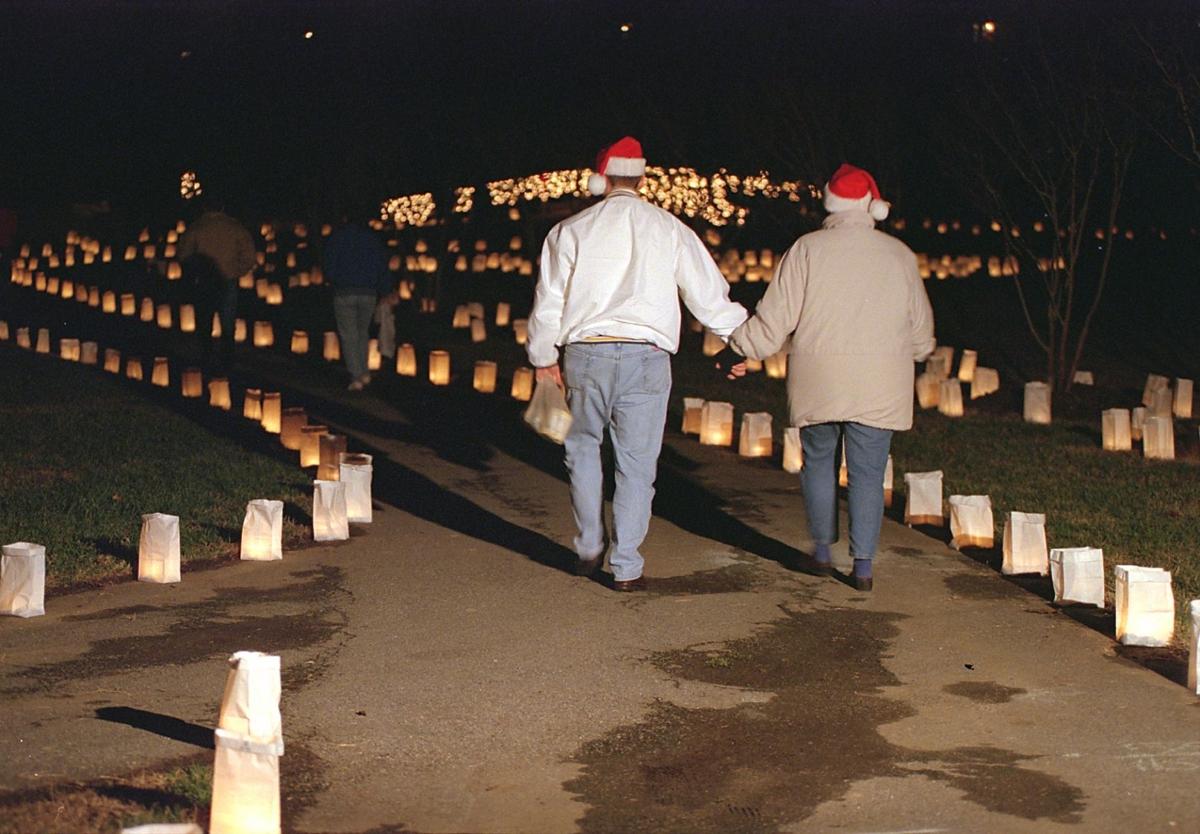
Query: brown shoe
x=587 y=567
x=862 y=583
x=627 y=585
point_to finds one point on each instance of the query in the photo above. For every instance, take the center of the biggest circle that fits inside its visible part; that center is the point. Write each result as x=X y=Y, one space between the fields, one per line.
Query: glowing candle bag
x=754 y=440
x=924 y=505
x=158 y=548
x=1025 y=544
x=1137 y=420
x=967 y=365
x=310 y=444
x=950 y=401
x=23 y=579
x=1154 y=382
x=716 y=424
x=262 y=531
x=485 y=376
x=1116 y=430
x=1078 y=575
x=250 y=703
x=1183 y=399
x=272 y=412
x=1037 y=403
x=793 y=450
x=330 y=449
x=439 y=367
x=548 y=413
x=406 y=360
x=1145 y=606
x=330 y=523
x=1194 y=647
x=356 y=471
x=692 y=406
x=291 y=423
x=971 y=521
x=929 y=390
x=522 y=384
x=245 y=786
x=1158 y=438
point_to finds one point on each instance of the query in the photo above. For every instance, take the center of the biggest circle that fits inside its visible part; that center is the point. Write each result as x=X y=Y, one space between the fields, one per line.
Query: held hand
x=736 y=371
x=550 y=372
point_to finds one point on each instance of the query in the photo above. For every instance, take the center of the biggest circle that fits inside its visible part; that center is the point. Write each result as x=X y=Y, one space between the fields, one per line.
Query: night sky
x=111 y=100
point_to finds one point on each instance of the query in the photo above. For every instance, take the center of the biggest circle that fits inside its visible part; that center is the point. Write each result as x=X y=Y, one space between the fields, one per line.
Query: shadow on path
x=161 y=725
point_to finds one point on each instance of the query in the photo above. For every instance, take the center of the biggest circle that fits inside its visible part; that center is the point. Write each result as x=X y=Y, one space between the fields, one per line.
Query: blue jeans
x=353 y=313
x=866 y=459
x=622 y=387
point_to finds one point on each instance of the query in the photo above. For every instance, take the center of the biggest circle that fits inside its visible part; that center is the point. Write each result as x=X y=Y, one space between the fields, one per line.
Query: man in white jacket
x=848 y=301
x=608 y=294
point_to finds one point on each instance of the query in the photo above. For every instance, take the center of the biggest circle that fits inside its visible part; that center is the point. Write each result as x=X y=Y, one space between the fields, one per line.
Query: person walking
x=849 y=303
x=356 y=264
x=608 y=295
x=215 y=251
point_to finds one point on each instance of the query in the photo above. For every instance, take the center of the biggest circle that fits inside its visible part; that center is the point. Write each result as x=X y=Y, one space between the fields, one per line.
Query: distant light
x=308 y=36
x=625 y=27
x=183 y=56
x=989 y=27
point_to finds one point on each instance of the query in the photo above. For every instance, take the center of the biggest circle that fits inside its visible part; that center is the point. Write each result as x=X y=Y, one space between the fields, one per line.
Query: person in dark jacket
x=356 y=265
x=215 y=251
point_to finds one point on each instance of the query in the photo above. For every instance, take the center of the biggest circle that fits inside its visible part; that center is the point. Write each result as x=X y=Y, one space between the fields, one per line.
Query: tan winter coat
x=850 y=306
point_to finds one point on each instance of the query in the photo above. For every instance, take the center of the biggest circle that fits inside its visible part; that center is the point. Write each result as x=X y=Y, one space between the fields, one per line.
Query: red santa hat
x=852 y=188
x=622 y=158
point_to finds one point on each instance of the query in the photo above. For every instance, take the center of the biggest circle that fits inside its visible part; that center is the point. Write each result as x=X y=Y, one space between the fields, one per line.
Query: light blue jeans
x=622 y=387
x=353 y=313
x=866 y=459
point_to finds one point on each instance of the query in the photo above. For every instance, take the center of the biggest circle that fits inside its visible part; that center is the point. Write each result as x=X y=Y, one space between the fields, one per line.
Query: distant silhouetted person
x=356 y=265
x=608 y=294
x=215 y=251
x=849 y=304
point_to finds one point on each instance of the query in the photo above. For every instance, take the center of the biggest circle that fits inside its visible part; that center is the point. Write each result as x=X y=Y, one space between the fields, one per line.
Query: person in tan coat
x=848 y=304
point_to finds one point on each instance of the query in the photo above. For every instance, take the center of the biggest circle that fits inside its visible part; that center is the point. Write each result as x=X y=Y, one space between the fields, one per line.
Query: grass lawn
x=84 y=454
x=1140 y=512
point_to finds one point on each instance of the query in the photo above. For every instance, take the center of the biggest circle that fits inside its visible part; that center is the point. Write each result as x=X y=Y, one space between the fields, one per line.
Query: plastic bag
x=548 y=413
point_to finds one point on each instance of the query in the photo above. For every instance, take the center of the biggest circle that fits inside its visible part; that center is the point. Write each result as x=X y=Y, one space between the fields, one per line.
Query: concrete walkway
x=444 y=673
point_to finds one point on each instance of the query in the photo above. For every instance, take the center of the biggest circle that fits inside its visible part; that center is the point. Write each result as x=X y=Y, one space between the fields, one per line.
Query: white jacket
x=617 y=270
x=849 y=305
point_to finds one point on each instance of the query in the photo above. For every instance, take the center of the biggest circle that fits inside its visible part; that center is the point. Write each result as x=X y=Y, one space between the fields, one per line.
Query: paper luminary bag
x=971 y=521
x=245 y=786
x=1025 y=544
x=262 y=531
x=1158 y=438
x=1154 y=382
x=218 y=394
x=112 y=360
x=439 y=367
x=1194 y=647
x=940 y=361
x=330 y=522
x=331 y=348
x=89 y=353
x=793 y=452
x=478 y=331
x=1084 y=378
x=291 y=423
x=1078 y=575
x=158 y=548
x=754 y=440
x=888 y=479
x=1162 y=403
x=23 y=579
x=548 y=413
x=250 y=703
x=272 y=412
x=522 y=384
x=406 y=360
x=692 y=407
x=299 y=341
x=924 y=505
x=331 y=449
x=716 y=424
x=1115 y=430
x=310 y=444
x=967 y=365
x=1183 y=399
x=355 y=471
x=484 y=380
x=1145 y=606
x=164 y=828
x=1137 y=420
x=462 y=317
x=929 y=389
x=950 y=401
x=503 y=314
x=1037 y=403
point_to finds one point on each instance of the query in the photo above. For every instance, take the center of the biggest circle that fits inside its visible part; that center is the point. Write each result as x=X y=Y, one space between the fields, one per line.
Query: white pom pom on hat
x=851 y=188
x=622 y=158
